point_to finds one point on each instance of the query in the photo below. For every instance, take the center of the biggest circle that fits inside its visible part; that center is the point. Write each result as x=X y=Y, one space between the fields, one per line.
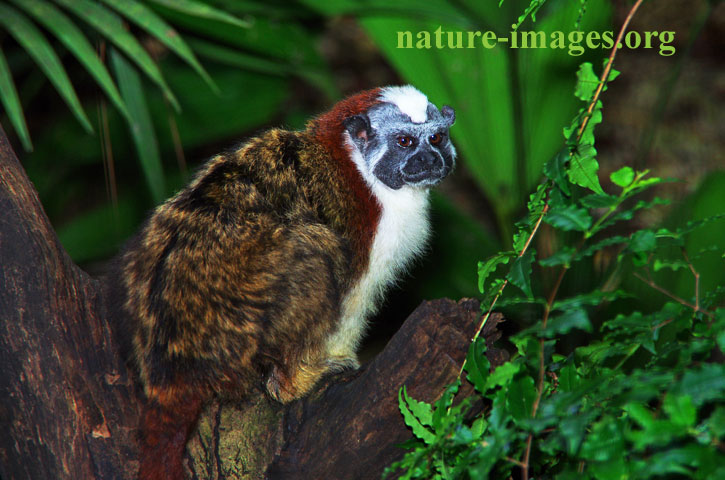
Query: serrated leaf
x=595 y=297
x=703 y=384
x=680 y=409
x=110 y=25
x=670 y=264
x=520 y=274
x=586 y=82
x=566 y=322
x=489 y=266
x=640 y=414
x=11 y=102
x=716 y=422
x=444 y=403
x=606 y=242
x=66 y=31
x=569 y=218
x=622 y=177
x=477 y=365
x=145 y=18
x=605 y=441
x=583 y=169
x=33 y=41
x=562 y=257
x=502 y=375
x=587 y=136
x=555 y=169
x=412 y=420
x=642 y=241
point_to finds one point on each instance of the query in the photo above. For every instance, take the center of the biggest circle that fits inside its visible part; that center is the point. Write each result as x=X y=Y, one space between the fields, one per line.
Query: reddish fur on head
x=328 y=129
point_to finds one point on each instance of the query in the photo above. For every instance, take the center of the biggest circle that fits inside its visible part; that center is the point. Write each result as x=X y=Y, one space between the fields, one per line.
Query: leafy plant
x=178 y=74
x=81 y=27
x=598 y=387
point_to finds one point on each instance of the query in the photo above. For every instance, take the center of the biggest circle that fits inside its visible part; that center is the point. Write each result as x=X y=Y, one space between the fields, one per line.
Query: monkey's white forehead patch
x=409 y=100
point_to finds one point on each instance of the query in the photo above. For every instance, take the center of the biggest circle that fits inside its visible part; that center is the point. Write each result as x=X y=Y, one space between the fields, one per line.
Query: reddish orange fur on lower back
x=164 y=431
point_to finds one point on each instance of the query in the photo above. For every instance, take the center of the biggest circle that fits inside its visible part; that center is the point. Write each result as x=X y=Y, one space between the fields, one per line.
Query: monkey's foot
x=285 y=388
x=339 y=363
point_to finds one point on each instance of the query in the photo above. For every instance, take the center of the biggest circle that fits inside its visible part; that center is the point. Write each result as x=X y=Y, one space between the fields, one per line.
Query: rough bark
x=68 y=406
x=66 y=409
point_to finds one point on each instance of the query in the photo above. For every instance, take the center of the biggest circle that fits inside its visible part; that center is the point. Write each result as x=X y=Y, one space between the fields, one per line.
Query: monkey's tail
x=165 y=428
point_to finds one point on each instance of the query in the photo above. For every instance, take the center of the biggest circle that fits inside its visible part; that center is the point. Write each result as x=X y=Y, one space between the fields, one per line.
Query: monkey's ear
x=358 y=126
x=449 y=114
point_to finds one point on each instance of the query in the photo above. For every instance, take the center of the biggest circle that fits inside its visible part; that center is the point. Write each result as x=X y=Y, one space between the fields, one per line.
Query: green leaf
x=605 y=442
x=566 y=322
x=622 y=177
x=703 y=384
x=716 y=422
x=674 y=265
x=605 y=242
x=202 y=10
x=603 y=200
x=642 y=241
x=142 y=129
x=246 y=61
x=444 y=403
x=569 y=379
x=412 y=420
x=520 y=398
x=562 y=257
x=11 y=102
x=65 y=30
x=145 y=18
x=502 y=375
x=33 y=41
x=586 y=82
x=680 y=409
x=520 y=274
x=477 y=365
x=569 y=218
x=583 y=169
x=489 y=266
x=555 y=169
x=110 y=25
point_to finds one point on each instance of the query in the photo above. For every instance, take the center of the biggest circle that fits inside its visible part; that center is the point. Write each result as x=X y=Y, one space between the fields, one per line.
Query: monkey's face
x=398 y=151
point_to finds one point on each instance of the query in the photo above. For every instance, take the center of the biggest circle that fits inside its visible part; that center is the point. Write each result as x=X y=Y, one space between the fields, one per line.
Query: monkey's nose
x=422 y=164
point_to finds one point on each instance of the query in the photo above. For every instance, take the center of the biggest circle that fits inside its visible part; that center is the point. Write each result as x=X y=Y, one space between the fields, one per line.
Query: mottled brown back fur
x=240 y=277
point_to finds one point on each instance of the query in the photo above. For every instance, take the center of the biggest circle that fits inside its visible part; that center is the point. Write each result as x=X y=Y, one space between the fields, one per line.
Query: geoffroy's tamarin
x=264 y=269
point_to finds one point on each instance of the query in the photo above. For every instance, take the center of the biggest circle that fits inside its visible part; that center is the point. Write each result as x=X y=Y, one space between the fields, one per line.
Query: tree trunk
x=68 y=404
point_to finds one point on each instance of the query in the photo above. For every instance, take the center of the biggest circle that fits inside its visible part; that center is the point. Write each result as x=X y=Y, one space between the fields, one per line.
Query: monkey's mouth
x=424 y=169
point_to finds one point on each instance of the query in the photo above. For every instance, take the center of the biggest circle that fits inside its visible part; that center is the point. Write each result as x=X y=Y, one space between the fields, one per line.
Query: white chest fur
x=402 y=233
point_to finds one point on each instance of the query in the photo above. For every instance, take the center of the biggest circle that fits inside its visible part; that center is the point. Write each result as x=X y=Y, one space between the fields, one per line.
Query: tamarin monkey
x=264 y=269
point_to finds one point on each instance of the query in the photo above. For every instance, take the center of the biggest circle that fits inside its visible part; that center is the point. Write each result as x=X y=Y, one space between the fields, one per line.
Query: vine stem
x=607 y=68
x=674 y=297
x=505 y=282
x=554 y=291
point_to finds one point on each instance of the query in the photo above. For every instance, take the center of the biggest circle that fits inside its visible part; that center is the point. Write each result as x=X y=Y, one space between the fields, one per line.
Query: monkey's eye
x=435 y=139
x=405 y=141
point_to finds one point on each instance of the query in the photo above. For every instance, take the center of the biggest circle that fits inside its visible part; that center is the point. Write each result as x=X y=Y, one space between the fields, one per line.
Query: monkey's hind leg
x=311 y=313
x=167 y=419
